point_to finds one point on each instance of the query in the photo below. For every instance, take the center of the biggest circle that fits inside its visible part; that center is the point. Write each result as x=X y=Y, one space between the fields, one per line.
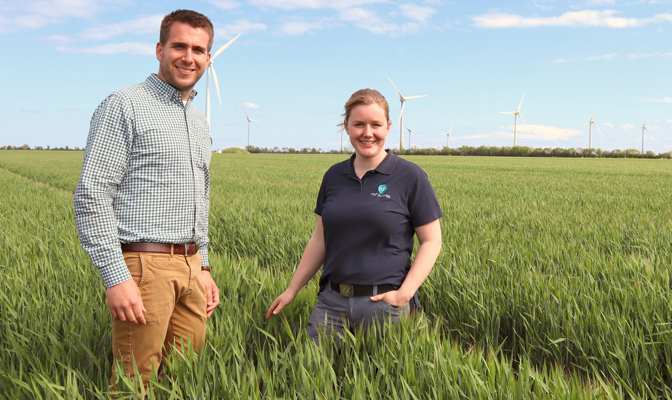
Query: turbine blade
x=214 y=78
x=451 y=129
x=415 y=97
x=586 y=123
x=401 y=114
x=395 y=88
x=598 y=128
x=521 y=118
x=221 y=49
x=521 y=103
x=248 y=118
x=245 y=128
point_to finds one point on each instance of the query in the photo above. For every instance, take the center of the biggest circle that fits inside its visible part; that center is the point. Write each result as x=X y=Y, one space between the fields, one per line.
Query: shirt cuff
x=115 y=274
x=204 y=256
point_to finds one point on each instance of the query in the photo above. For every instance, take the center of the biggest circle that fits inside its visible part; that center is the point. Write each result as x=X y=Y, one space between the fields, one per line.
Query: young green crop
x=554 y=282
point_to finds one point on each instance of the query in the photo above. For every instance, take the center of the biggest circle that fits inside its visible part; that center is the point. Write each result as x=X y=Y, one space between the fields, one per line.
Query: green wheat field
x=554 y=282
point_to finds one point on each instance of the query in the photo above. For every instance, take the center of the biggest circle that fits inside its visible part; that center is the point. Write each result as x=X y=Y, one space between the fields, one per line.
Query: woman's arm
x=429 y=236
x=310 y=263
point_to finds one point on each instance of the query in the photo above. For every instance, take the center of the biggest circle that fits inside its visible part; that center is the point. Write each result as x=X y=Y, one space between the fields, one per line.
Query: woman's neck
x=363 y=165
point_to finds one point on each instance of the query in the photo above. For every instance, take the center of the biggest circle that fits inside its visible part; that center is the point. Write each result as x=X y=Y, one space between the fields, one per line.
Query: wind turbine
x=401 y=115
x=644 y=128
x=409 y=136
x=249 y=121
x=211 y=67
x=448 y=137
x=590 y=131
x=516 y=115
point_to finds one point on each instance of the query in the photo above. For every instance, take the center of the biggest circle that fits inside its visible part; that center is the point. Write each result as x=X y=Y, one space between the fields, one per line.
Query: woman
x=369 y=208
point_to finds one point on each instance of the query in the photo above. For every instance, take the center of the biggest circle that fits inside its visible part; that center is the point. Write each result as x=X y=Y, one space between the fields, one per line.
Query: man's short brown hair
x=192 y=18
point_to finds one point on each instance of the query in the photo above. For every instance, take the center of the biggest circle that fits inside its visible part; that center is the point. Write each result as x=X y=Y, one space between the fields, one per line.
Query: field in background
x=554 y=281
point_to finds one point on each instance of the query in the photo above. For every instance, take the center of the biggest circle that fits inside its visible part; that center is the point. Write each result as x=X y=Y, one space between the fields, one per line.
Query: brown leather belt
x=346 y=290
x=188 y=249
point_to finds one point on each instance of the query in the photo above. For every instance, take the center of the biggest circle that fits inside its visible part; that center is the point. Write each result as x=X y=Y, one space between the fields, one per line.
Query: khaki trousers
x=174 y=297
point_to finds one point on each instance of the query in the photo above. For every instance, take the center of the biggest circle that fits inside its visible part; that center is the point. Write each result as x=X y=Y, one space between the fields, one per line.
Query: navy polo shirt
x=369 y=223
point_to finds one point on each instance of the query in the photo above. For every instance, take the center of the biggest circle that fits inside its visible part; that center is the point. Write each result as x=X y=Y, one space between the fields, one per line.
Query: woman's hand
x=394 y=297
x=280 y=302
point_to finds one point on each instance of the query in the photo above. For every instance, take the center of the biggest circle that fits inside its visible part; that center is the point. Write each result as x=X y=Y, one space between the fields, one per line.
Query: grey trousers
x=333 y=311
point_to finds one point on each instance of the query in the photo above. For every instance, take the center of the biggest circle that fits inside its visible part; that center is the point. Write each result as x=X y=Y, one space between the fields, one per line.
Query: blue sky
x=298 y=61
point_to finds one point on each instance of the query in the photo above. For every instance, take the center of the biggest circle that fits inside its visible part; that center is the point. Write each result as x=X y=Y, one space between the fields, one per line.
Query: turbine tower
x=211 y=67
x=401 y=115
x=644 y=128
x=590 y=131
x=249 y=121
x=448 y=137
x=409 y=136
x=516 y=115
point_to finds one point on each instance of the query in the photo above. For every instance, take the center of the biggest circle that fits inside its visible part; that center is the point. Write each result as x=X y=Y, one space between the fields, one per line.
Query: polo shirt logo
x=382 y=189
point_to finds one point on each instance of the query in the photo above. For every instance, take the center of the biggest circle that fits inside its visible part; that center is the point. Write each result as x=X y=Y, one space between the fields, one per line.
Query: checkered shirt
x=145 y=176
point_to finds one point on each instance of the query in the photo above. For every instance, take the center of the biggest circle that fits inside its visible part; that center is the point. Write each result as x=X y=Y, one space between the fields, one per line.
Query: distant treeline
x=26 y=147
x=517 y=151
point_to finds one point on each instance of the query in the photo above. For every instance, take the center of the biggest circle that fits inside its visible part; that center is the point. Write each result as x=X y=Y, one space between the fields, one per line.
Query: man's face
x=184 y=58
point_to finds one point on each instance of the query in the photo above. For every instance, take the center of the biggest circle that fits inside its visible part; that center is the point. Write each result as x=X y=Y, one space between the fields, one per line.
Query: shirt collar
x=385 y=167
x=166 y=90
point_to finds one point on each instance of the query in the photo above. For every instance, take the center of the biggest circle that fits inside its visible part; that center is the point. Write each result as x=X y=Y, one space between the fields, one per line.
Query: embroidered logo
x=382 y=189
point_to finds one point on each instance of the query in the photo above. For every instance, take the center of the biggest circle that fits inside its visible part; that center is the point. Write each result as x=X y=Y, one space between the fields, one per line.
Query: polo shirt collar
x=385 y=167
x=165 y=90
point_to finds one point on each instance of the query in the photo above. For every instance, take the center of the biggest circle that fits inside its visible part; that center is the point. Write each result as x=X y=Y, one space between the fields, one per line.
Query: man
x=141 y=205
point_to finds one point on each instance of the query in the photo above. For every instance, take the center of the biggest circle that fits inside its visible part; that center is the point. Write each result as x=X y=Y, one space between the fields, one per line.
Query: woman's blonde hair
x=366 y=97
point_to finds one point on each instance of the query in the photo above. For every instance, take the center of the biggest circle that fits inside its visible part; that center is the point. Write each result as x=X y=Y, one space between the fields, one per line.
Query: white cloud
x=228 y=32
x=586 y=18
x=66 y=8
x=611 y=56
x=416 y=12
x=312 y=4
x=546 y=132
x=225 y=4
x=142 y=26
x=529 y=132
x=369 y=20
x=298 y=28
x=626 y=127
x=143 y=49
x=250 y=105
x=24 y=15
x=608 y=125
x=599 y=2
x=663 y=100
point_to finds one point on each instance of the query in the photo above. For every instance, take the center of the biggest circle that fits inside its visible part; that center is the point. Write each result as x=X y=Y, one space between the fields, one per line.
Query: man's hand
x=125 y=302
x=211 y=292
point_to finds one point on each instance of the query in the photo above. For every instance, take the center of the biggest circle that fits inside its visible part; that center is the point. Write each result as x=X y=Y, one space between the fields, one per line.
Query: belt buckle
x=346 y=290
x=186 y=249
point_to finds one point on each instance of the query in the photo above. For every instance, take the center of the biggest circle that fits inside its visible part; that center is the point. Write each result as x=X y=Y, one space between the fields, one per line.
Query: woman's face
x=368 y=128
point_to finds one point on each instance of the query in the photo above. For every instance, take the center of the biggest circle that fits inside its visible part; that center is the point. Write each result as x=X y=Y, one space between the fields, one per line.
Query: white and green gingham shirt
x=145 y=176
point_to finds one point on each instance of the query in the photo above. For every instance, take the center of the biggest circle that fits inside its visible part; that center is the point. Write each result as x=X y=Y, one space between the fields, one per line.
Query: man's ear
x=159 y=51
